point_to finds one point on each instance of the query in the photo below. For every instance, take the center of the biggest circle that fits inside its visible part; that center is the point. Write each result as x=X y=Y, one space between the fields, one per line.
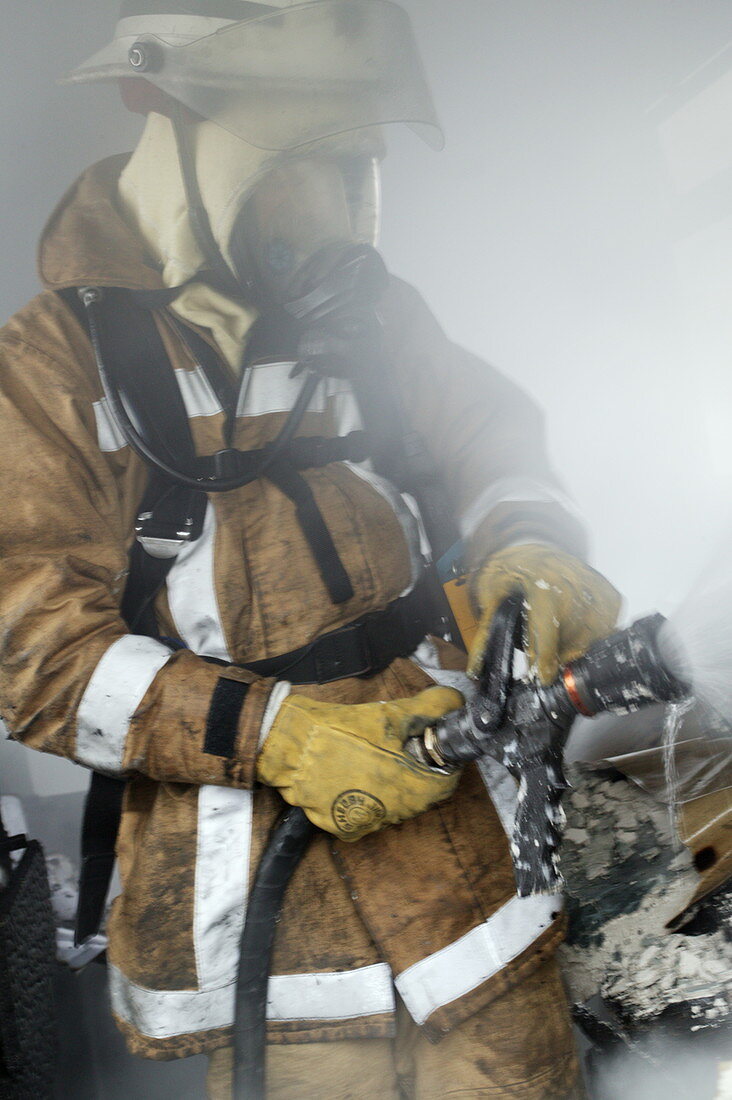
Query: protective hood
x=153 y=202
x=282 y=76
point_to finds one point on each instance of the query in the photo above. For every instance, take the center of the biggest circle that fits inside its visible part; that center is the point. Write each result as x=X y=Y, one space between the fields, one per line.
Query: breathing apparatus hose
x=91 y=297
x=285 y=849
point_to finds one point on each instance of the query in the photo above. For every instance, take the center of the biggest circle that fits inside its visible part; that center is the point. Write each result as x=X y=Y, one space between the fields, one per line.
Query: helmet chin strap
x=224 y=278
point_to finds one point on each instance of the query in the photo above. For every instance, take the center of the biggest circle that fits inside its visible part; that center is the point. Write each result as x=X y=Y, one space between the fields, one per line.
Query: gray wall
x=574 y=231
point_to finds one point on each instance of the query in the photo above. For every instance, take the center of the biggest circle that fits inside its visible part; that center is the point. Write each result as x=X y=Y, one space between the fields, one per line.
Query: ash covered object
x=648 y=957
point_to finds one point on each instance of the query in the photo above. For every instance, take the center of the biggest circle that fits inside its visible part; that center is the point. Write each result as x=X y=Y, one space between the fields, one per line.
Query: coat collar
x=86 y=241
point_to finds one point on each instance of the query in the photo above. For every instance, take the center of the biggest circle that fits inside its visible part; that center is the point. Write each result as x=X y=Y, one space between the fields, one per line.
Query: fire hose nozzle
x=621 y=673
x=624 y=672
x=524 y=725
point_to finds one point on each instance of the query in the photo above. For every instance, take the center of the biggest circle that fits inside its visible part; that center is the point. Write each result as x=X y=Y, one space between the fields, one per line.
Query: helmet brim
x=292 y=77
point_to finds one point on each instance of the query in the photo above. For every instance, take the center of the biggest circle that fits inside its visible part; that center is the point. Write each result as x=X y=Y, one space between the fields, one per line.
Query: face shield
x=307 y=204
x=290 y=77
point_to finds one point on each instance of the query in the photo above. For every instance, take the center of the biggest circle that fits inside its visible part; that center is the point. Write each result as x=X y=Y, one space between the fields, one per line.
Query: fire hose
x=518 y=722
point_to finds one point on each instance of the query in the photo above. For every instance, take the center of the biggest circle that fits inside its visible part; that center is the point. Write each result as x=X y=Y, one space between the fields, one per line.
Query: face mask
x=303 y=207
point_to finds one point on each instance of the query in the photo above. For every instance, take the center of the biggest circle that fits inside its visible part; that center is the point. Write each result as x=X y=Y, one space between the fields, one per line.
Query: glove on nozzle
x=568 y=605
x=346 y=765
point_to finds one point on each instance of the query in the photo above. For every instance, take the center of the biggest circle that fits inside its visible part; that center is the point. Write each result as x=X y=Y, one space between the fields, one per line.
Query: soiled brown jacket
x=69 y=506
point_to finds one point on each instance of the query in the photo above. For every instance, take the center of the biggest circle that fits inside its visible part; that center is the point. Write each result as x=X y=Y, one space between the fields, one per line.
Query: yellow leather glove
x=346 y=765
x=568 y=605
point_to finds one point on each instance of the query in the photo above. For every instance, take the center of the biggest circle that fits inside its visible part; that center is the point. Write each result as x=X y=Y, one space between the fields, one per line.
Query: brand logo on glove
x=357 y=812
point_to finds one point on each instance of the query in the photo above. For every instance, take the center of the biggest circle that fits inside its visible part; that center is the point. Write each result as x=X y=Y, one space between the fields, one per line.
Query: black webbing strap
x=102 y=813
x=365 y=646
x=138 y=364
x=313 y=526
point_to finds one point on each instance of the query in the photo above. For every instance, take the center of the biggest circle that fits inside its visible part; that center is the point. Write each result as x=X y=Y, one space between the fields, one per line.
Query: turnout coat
x=426 y=908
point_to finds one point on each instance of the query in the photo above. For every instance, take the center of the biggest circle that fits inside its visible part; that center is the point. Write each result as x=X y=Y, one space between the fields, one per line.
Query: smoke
x=663 y=1067
x=696 y=642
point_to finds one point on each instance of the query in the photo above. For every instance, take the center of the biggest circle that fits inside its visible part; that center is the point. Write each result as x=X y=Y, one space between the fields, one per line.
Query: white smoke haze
x=576 y=232
x=696 y=642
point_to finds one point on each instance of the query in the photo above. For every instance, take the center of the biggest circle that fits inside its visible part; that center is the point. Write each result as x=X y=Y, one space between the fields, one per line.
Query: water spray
x=524 y=725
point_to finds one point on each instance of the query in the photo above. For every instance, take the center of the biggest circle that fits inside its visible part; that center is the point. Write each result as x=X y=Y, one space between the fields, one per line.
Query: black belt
x=365 y=646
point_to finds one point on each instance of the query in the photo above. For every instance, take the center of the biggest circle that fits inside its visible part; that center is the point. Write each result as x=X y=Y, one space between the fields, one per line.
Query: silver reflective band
x=221 y=887
x=348 y=995
x=117 y=687
x=197 y=393
x=192 y=597
x=270 y=388
x=277 y=697
x=109 y=433
x=465 y=964
x=161 y=548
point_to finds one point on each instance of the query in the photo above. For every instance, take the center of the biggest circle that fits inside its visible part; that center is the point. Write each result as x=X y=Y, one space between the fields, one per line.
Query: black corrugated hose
x=286 y=848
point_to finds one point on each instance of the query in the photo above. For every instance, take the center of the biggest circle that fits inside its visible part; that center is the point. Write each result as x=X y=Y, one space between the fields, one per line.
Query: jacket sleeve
x=73 y=680
x=483 y=434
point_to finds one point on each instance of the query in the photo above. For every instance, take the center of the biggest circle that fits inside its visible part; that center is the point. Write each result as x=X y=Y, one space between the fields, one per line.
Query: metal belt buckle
x=159 y=544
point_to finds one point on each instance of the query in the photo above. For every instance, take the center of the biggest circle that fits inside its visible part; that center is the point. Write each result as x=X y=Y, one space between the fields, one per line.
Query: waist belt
x=365 y=646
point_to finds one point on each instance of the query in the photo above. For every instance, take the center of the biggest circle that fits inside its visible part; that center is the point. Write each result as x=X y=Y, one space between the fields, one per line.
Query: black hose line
x=285 y=849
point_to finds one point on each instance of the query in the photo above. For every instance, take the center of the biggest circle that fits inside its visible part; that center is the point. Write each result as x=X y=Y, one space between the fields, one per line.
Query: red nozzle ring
x=570 y=686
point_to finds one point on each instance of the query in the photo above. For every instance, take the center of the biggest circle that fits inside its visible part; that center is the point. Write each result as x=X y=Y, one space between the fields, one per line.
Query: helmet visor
x=300 y=74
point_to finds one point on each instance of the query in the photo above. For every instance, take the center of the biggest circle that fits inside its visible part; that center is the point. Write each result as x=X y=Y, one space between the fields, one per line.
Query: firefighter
x=295 y=638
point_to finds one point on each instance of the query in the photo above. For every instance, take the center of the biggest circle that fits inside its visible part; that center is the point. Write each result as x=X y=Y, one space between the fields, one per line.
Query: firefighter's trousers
x=520 y=1047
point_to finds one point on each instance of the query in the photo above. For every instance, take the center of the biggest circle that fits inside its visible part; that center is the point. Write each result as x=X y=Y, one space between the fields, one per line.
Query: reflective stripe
x=13 y=818
x=221 y=883
x=192 y=594
x=113 y=694
x=349 y=995
x=109 y=435
x=512 y=490
x=346 y=412
x=474 y=958
x=348 y=419
x=268 y=388
x=198 y=396
x=425 y=547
